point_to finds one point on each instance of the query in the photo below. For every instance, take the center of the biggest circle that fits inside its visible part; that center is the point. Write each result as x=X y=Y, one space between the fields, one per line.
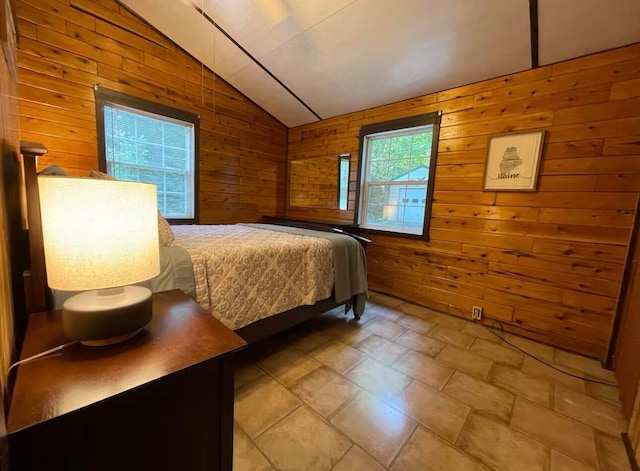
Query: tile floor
x=407 y=388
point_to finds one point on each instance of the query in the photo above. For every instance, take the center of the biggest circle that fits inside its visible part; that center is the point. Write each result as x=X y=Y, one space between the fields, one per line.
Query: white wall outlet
x=476 y=313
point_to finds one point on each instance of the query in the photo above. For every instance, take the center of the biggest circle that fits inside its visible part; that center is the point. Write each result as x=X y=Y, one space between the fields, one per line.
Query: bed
x=258 y=279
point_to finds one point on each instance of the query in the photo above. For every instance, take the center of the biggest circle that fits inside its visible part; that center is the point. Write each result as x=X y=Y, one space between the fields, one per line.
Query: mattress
x=244 y=274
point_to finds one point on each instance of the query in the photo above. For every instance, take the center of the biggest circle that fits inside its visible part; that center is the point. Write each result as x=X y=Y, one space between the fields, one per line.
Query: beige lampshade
x=98 y=233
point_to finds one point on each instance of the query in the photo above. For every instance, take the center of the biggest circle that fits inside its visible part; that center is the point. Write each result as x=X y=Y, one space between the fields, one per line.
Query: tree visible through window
x=143 y=141
x=398 y=163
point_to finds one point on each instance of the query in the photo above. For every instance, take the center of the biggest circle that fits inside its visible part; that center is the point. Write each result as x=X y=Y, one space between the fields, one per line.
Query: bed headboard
x=36 y=289
x=24 y=234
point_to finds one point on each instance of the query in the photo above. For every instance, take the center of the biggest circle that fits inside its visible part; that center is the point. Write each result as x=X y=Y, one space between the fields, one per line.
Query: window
x=343 y=181
x=144 y=141
x=398 y=166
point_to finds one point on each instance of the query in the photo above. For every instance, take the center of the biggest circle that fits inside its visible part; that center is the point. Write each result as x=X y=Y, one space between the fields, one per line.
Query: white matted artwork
x=513 y=161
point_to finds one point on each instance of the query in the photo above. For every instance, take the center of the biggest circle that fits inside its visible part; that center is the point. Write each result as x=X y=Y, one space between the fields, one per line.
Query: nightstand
x=162 y=400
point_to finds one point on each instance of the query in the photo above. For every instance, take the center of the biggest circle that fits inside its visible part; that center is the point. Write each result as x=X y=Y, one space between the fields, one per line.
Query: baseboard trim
x=630 y=453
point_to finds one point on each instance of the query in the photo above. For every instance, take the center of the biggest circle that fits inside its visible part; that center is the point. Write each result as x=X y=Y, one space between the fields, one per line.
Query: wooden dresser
x=162 y=400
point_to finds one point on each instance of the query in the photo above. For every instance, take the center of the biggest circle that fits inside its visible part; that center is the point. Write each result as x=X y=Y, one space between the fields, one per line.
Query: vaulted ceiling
x=306 y=60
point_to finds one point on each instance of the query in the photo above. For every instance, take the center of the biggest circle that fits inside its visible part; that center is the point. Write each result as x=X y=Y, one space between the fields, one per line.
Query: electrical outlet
x=476 y=313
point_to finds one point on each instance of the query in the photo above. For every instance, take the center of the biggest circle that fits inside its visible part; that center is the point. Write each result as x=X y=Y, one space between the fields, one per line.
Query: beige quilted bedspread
x=244 y=274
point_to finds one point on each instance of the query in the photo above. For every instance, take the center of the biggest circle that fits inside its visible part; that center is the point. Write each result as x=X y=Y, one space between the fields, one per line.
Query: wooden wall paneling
x=612 y=56
x=69 y=46
x=548 y=263
x=602 y=268
x=621 y=145
x=626 y=89
x=530 y=104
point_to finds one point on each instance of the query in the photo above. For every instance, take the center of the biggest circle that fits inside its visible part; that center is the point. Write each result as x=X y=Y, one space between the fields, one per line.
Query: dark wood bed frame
x=29 y=272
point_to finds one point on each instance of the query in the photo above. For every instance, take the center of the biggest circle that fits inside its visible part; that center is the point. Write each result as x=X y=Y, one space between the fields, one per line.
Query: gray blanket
x=349 y=260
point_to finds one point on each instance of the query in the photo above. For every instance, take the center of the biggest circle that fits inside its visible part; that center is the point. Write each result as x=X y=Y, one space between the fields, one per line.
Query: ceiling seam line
x=256 y=61
x=533 y=25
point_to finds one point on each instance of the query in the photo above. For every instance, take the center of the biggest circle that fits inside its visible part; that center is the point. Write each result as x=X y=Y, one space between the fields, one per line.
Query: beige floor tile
x=588 y=366
x=466 y=361
x=357 y=460
x=384 y=328
x=530 y=387
x=381 y=349
x=602 y=392
x=246 y=457
x=302 y=440
x=497 y=353
x=420 y=343
x=416 y=311
x=288 y=365
x=454 y=337
x=501 y=447
x=419 y=326
x=560 y=462
x=375 y=426
x=333 y=318
x=598 y=414
x=569 y=436
x=612 y=453
x=424 y=368
x=481 y=396
x=437 y=399
x=451 y=322
x=481 y=331
x=246 y=373
x=324 y=390
x=540 y=350
x=338 y=356
x=349 y=333
x=386 y=300
x=312 y=340
x=383 y=312
x=261 y=404
x=433 y=409
x=535 y=368
x=427 y=452
x=378 y=378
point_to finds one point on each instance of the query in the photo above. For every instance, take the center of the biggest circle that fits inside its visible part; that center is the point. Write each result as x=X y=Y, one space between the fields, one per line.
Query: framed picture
x=513 y=161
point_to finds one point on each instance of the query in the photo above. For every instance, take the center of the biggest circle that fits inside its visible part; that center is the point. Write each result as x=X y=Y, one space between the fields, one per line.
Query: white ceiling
x=305 y=60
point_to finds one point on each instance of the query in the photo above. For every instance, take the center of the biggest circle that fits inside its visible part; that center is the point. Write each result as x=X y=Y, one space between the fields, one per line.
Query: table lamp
x=390 y=212
x=100 y=236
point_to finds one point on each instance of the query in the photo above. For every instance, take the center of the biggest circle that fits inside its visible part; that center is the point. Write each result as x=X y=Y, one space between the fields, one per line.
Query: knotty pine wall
x=313 y=182
x=547 y=264
x=67 y=46
x=8 y=150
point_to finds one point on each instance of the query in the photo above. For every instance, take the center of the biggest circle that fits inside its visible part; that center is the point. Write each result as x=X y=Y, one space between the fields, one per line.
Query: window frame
x=104 y=96
x=432 y=119
x=343 y=158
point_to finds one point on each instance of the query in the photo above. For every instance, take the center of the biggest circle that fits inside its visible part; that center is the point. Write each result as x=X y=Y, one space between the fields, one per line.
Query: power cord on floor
x=492 y=330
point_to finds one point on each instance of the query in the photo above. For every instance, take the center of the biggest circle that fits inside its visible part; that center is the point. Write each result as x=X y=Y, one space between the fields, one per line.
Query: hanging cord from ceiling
x=210 y=19
x=213 y=69
x=492 y=329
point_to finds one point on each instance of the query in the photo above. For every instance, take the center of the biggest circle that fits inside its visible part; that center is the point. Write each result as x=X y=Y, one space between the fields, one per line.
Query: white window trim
x=105 y=98
x=189 y=148
x=397 y=128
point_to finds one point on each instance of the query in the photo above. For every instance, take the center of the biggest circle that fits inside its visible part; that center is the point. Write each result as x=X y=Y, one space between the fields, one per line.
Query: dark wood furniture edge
x=176 y=318
x=630 y=453
x=36 y=277
x=268 y=326
x=348 y=229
